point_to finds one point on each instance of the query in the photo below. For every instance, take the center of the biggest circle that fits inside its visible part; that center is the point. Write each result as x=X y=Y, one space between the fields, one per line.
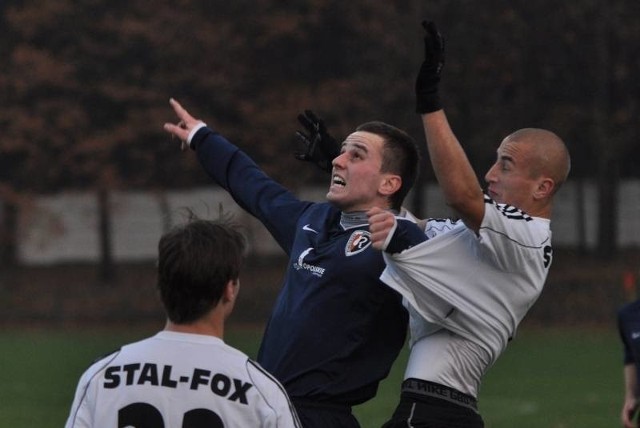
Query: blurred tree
x=86 y=83
x=86 y=98
x=568 y=67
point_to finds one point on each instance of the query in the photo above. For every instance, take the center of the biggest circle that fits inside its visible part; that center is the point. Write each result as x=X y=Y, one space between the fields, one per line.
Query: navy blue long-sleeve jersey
x=629 y=330
x=336 y=329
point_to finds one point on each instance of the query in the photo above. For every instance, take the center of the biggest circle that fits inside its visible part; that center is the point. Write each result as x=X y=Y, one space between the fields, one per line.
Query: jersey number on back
x=144 y=415
x=548 y=251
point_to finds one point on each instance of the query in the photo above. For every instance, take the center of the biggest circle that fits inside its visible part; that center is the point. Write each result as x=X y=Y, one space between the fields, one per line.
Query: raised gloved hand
x=427 y=97
x=319 y=147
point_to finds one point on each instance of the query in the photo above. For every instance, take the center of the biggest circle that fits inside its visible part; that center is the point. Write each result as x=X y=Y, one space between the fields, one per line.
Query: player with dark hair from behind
x=468 y=283
x=186 y=375
x=335 y=329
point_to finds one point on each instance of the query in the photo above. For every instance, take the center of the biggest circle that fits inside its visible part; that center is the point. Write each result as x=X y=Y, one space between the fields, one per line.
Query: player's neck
x=203 y=326
x=353 y=219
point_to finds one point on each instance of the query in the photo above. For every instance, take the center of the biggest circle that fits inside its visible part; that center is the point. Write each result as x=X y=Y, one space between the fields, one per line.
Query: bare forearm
x=630 y=382
x=629 y=405
x=456 y=177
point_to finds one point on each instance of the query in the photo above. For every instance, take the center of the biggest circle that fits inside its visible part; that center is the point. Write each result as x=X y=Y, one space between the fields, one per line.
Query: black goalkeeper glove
x=319 y=147
x=427 y=98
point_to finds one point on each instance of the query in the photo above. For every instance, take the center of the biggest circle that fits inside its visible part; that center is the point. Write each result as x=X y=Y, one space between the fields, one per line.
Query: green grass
x=546 y=378
x=556 y=379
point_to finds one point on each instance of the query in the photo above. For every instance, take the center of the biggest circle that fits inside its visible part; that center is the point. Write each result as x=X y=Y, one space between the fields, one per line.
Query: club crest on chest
x=358 y=242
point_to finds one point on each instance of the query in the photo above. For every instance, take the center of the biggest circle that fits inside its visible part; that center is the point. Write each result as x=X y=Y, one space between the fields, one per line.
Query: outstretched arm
x=185 y=128
x=456 y=177
x=451 y=166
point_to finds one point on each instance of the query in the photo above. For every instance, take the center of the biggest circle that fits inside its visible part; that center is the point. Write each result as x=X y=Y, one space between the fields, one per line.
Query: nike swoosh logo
x=307 y=228
x=635 y=335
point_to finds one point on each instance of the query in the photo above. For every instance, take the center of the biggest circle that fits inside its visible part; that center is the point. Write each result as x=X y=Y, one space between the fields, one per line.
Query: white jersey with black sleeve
x=178 y=380
x=467 y=293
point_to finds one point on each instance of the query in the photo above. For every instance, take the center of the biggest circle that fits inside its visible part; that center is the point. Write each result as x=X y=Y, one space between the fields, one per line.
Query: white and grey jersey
x=467 y=293
x=178 y=379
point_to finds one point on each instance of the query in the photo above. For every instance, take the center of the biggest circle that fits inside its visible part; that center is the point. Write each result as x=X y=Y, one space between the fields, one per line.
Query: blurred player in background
x=468 y=283
x=335 y=329
x=186 y=375
x=629 y=329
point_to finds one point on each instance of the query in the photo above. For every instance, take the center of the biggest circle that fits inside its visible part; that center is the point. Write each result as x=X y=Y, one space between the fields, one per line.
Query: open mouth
x=338 y=181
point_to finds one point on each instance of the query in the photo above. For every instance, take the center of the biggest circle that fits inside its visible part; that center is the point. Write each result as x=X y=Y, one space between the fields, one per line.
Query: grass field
x=548 y=378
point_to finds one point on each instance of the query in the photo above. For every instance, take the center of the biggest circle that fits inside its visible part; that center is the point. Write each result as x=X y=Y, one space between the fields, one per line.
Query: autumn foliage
x=85 y=84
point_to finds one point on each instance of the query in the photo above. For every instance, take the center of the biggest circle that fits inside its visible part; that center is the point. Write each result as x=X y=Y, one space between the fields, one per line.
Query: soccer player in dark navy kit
x=335 y=329
x=629 y=329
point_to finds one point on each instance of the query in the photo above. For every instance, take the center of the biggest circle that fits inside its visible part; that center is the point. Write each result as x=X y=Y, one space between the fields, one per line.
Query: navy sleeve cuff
x=198 y=136
x=406 y=235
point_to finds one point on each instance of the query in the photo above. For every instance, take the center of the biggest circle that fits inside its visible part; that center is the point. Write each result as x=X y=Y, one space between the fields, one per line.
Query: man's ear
x=545 y=188
x=390 y=184
x=231 y=289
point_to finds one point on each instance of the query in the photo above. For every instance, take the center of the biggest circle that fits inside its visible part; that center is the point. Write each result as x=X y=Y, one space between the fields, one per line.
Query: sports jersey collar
x=187 y=337
x=355 y=219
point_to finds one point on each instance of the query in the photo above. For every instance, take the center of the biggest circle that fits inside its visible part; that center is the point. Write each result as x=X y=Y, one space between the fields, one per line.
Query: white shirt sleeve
x=283 y=413
x=82 y=409
x=477 y=286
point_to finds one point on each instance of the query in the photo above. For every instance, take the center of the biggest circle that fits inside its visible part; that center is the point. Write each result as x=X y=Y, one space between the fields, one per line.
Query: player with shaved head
x=468 y=283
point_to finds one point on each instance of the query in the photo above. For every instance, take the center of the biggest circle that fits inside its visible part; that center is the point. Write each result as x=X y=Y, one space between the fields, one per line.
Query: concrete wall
x=64 y=227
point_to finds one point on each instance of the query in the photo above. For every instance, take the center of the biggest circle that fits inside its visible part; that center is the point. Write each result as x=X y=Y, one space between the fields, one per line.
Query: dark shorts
x=430 y=411
x=318 y=415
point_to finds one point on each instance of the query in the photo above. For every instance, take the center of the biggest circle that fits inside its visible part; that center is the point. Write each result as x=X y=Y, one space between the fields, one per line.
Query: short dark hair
x=195 y=262
x=399 y=156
